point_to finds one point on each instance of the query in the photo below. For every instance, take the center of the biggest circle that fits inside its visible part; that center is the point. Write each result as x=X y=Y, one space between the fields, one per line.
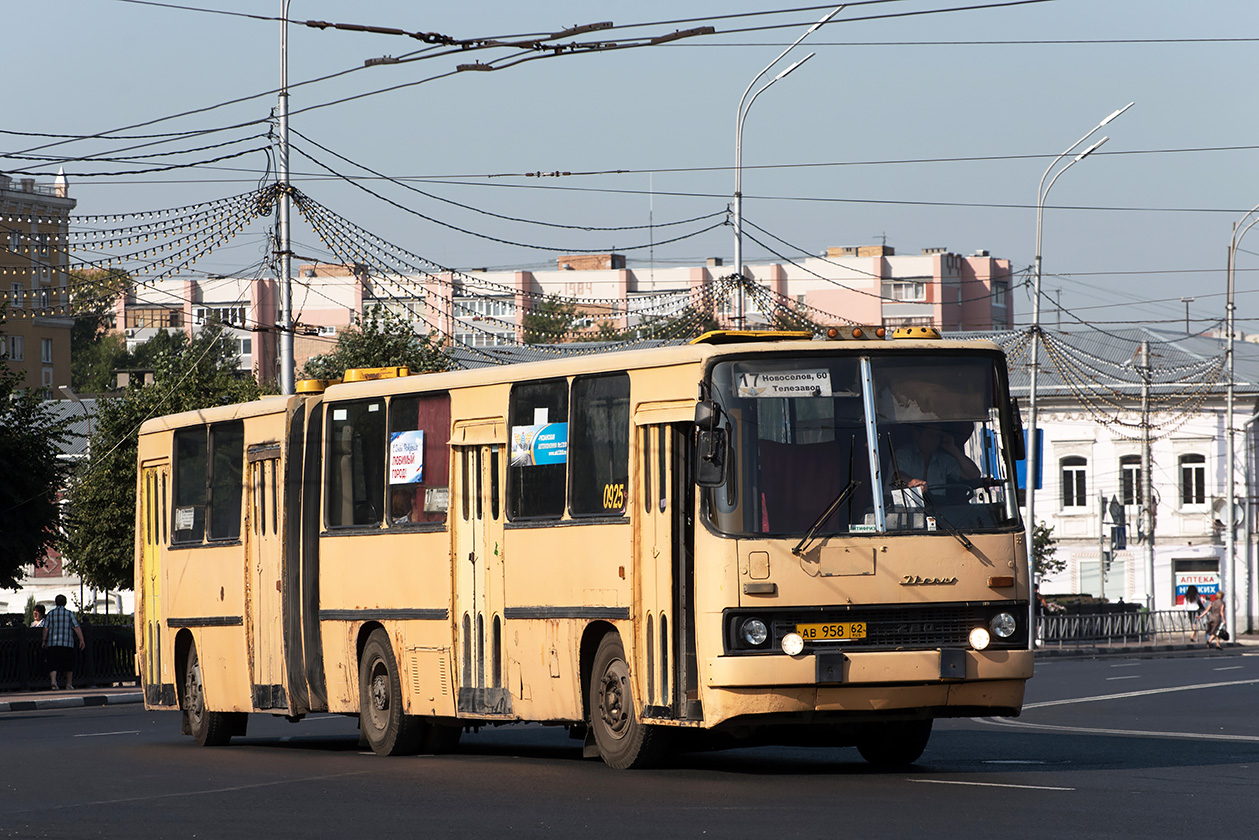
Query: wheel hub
x=380 y=692
x=612 y=705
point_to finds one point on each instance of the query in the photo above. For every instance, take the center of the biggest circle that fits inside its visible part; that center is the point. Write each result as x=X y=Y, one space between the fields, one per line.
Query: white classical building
x=1093 y=427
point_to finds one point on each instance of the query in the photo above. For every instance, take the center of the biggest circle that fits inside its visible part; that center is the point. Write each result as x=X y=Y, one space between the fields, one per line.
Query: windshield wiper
x=800 y=548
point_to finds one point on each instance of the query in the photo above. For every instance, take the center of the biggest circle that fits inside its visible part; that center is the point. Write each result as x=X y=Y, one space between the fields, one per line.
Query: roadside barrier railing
x=1119 y=629
x=108 y=658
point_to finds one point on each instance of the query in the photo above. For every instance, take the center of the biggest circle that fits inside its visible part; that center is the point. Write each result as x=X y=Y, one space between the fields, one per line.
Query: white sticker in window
x=782 y=383
x=540 y=416
x=340 y=415
x=373 y=407
x=184 y=518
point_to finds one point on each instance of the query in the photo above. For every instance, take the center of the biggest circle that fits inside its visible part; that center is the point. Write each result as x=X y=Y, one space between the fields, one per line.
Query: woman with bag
x=1215 y=621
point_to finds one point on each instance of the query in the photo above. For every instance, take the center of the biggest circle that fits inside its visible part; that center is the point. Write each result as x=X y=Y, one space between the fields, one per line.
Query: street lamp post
x=1240 y=228
x=1033 y=455
x=745 y=105
x=1186 y=301
x=283 y=215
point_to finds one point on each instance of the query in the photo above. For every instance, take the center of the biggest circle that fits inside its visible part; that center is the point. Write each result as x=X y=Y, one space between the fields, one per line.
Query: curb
x=70 y=702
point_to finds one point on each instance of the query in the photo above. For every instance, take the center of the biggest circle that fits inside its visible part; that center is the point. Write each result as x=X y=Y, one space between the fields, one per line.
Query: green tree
x=1044 y=551
x=30 y=438
x=95 y=351
x=99 y=542
x=549 y=321
x=379 y=338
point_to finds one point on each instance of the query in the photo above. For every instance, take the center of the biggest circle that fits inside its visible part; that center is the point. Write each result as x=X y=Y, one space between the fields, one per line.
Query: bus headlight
x=979 y=638
x=1003 y=625
x=754 y=632
x=793 y=644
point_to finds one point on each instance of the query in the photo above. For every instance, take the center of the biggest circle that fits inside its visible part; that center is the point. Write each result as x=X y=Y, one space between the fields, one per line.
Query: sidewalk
x=28 y=701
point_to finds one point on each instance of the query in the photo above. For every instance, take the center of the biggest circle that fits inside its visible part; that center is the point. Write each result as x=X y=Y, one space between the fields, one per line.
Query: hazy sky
x=932 y=130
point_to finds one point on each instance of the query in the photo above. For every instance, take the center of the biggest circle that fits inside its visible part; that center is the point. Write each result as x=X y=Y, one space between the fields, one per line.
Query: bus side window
x=419 y=460
x=599 y=445
x=191 y=473
x=355 y=477
x=538 y=420
x=227 y=463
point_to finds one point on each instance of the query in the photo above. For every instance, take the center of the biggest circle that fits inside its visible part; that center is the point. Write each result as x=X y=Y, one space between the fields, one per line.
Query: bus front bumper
x=940 y=683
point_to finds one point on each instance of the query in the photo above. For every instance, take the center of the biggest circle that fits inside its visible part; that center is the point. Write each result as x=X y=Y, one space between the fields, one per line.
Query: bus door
x=154 y=481
x=265 y=576
x=477 y=515
x=666 y=573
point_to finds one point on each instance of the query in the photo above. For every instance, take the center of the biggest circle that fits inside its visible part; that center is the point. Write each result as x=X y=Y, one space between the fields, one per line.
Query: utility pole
x=1147 y=479
x=1101 y=545
x=283 y=242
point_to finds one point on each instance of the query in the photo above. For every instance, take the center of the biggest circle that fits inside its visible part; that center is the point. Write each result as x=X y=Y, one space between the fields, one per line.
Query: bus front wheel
x=209 y=729
x=624 y=741
x=381 y=718
x=891 y=745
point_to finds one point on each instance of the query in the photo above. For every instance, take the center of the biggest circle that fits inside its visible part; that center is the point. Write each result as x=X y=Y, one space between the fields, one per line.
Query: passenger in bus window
x=402 y=505
x=932 y=458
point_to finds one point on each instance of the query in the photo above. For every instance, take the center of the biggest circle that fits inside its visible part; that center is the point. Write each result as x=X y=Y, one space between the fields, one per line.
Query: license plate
x=834 y=632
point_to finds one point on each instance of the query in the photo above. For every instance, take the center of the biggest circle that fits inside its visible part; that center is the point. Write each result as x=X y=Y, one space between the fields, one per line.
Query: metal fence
x=108 y=657
x=1118 y=629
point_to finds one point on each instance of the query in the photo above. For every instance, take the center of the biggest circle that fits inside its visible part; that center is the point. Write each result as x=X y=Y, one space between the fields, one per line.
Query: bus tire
x=382 y=720
x=624 y=742
x=892 y=745
x=209 y=729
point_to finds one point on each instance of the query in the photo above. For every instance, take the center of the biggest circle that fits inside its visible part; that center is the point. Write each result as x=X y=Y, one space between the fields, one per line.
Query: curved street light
x=745 y=105
x=1240 y=228
x=1042 y=191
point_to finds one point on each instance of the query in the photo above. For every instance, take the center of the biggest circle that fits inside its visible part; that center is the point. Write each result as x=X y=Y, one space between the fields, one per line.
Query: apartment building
x=34 y=283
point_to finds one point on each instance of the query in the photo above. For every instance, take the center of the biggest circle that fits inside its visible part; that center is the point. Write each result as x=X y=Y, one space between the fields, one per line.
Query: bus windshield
x=851 y=444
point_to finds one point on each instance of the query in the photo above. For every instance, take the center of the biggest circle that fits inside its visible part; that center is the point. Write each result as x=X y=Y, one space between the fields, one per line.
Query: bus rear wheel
x=209 y=729
x=892 y=745
x=624 y=742
x=381 y=718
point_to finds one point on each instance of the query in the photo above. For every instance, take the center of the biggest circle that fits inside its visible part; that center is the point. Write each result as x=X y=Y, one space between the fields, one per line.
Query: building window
x=15 y=241
x=45 y=350
x=999 y=291
x=1074 y=482
x=1193 y=480
x=904 y=290
x=17 y=348
x=1130 y=479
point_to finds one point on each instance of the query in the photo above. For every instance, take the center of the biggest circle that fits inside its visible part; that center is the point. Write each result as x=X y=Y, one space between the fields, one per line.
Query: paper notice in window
x=909 y=497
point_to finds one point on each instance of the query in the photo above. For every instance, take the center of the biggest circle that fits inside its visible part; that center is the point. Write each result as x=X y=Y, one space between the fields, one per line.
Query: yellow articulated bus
x=754 y=538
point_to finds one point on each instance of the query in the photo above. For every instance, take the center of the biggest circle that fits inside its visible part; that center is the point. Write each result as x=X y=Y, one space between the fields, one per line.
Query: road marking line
x=102 y=734
x=1147 y=692
x=1229 y=668
x=1127 y=665
x=1144 y=733
x=180 y=794
x=987 y=784
x=1125 y=677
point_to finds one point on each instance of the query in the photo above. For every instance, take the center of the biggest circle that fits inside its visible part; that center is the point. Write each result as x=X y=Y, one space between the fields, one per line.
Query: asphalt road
x=1147 y=748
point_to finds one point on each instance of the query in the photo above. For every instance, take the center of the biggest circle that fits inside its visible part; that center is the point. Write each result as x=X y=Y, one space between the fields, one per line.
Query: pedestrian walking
x=61 y=629
x=1196 y=605
x=1215 y=621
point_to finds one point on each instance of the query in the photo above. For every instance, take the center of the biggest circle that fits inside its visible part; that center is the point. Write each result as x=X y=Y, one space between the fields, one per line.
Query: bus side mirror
x=710 y=457
x=1018 y=445
x=710 y=445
